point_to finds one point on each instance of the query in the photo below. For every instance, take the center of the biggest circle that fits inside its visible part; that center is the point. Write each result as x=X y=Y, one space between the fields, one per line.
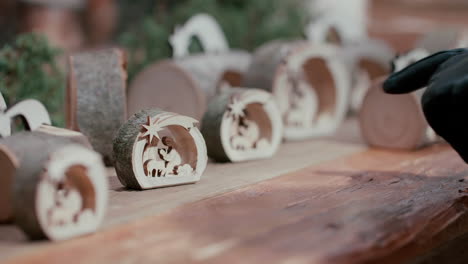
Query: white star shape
x=151 y=130
x=236 y=108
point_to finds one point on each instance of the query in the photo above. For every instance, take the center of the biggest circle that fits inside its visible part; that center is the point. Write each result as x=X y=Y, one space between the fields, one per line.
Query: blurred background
x=34 y=65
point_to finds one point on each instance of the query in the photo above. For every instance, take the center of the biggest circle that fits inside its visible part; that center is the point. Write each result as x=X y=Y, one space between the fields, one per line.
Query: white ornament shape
x=205 y=28
x=141 y=164
x=32 y=111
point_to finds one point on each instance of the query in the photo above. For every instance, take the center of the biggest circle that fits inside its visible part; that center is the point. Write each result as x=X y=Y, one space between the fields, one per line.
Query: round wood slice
x=242 y=124
x=59 y=192
x=394 y=121
x=367 y=60
x=309 y=83
x=185 y=85
x=157 y=148
x=96 y=99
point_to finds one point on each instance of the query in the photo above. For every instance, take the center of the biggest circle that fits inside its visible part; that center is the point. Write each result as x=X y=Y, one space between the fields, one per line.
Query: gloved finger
x=418 y=74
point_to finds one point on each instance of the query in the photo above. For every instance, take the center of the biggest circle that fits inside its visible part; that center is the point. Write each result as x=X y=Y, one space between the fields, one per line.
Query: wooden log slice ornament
x=185 y=85
x=57 y=192
x=30 y=111
x=157 y=148
x=309 y=83
x=367 y=60
x=241 y=125
x=394 y=121
x=96 y=100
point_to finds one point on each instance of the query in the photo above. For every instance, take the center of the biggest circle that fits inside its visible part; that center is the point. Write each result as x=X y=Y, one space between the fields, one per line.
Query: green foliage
x=246 y=24
x=28 y=69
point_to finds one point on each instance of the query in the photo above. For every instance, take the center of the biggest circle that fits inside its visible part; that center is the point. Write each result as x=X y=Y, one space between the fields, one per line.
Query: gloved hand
x=445 y=102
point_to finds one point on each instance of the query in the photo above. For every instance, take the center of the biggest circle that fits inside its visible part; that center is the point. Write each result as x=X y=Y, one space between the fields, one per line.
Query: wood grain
x=364 y=208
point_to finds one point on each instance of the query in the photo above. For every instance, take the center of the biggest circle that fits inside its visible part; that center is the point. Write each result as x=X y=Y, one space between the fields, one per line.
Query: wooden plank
x=367 y=207
x=126 y=205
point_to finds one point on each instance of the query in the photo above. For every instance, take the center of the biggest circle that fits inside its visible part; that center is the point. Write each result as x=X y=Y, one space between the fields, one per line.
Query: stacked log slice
x=309 y=83
x=242 y=124
x=157 y=149
x=58 y=192
x=73 y=136
x=96 y=97
x=185 y=85
x=394 y=121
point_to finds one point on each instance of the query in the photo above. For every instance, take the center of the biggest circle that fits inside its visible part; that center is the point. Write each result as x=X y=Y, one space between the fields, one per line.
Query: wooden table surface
x=323 y=201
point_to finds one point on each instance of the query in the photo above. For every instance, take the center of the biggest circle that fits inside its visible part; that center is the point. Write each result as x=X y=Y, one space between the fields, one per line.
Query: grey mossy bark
x=124 y=141
x=211 y=126
x=32 y=150
x=97 y=94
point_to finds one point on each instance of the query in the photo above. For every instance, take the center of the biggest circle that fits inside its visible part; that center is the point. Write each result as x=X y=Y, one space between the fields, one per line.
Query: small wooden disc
x=392 y=121
x=157 y=148
x=241 y=125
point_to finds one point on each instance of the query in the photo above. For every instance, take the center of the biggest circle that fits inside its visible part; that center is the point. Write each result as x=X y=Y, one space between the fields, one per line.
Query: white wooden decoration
x=57 y=193
x=31 y=111
x=156 y=149
x=242 y=124
x=347 y=19
x=206 y=29
x=367 y=60
x=309 y=82
x=394 y=121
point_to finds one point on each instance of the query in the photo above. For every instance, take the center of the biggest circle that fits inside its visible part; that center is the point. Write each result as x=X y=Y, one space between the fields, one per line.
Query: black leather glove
x=445 y=102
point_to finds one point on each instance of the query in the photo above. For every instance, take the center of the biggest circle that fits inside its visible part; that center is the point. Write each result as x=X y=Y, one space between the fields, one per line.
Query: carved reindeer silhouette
x=32 y=112
x=205 y=28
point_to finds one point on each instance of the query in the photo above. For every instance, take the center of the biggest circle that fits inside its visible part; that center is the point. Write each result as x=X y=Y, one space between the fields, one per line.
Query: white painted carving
x=304 y=115
x=33 y=112
x=72 y=196
x=247 y=134
x=206 y=29
x=169 y=151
